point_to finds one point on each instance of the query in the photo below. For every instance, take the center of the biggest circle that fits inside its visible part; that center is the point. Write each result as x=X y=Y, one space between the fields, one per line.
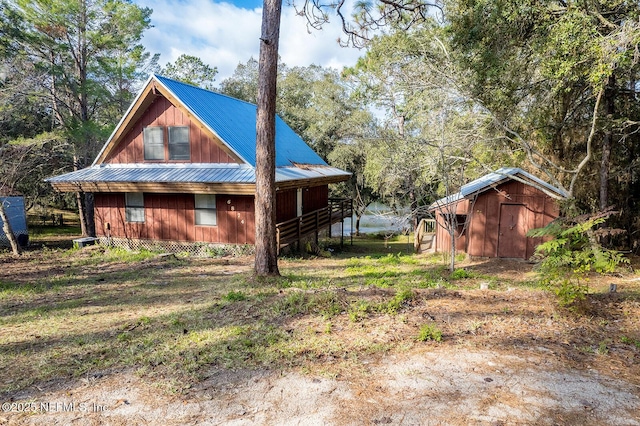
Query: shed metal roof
x=486 y=181
x=234 y=121
x=490 y=180
x=189 y=173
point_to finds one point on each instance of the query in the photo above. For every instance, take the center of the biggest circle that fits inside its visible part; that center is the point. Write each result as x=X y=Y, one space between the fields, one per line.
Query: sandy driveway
x=429 y=388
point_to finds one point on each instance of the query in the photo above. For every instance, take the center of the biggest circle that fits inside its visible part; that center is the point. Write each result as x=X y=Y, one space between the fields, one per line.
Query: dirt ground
x=507 y=358
x=455 y=387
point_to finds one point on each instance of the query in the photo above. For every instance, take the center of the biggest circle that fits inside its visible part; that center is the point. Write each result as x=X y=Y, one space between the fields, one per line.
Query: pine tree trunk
x=266 y=262
x=81 y=213
x=8 y=231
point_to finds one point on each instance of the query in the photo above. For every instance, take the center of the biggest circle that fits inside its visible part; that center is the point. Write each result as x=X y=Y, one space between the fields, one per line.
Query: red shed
x=180 y=168
x=495 y=212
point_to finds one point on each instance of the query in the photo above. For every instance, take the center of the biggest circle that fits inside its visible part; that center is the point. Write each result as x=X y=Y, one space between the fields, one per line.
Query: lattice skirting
x=198 y=249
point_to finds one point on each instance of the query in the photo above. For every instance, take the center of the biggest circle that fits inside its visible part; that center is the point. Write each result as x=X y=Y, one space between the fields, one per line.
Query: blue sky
x=224 y=34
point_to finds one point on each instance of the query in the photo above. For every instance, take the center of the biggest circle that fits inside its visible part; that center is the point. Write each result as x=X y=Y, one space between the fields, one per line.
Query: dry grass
x=67 y=314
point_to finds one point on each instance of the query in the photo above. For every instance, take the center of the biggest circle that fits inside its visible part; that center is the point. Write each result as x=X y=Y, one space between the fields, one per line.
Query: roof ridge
x=193 y=86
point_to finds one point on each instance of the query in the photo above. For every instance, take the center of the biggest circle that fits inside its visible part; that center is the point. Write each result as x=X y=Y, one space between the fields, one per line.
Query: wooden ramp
x=425 y=236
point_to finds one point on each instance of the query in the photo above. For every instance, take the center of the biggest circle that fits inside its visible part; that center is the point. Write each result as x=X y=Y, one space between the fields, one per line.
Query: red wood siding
x=314 y=198
x=161 y=112
x=512 y=231
x=482 y=236
x=171 y=217
x=236 y=219
x=285 y=205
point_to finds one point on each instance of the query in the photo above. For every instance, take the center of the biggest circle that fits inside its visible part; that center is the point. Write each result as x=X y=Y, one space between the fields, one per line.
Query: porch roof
x=204 y=173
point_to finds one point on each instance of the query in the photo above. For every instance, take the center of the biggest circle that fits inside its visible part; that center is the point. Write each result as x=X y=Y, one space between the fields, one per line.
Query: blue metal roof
x=234 y=121
x=487 y=181
x=189 y=173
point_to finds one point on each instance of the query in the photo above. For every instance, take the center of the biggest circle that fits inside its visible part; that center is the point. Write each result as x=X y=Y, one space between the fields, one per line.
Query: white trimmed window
x=206 y=213
x=179 y=143
x=134 y=206
x=153 y=143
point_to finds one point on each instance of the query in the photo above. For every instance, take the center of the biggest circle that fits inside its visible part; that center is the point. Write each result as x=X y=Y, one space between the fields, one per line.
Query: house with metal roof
x=180 y=167
x=492 y=214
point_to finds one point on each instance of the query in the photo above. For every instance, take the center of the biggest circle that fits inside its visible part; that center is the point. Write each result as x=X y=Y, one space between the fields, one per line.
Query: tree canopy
x=445 y=91
x=190 y=69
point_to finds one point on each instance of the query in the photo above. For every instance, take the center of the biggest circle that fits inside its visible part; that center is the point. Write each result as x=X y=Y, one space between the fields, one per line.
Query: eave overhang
x=189 y=178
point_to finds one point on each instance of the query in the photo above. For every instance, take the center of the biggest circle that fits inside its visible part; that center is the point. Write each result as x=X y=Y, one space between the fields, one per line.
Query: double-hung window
x=134 y=206
x=206 y=213
x=179 y=143
x=153 y=143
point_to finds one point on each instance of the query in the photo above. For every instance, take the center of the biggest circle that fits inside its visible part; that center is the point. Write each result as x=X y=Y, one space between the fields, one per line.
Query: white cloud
x=224 y=35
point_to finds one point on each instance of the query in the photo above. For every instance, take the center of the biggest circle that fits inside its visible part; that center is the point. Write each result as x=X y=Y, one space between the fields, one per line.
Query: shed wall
x=482 y=236
x=161 y=112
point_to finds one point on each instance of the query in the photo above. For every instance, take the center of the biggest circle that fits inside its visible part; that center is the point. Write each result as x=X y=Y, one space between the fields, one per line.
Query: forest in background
x=549 y=86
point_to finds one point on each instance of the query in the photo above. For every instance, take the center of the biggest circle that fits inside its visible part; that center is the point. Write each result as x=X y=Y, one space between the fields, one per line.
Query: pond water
x=378 y=218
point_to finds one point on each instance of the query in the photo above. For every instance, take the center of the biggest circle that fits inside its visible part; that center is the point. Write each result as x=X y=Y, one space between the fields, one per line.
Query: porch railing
x=313 y=222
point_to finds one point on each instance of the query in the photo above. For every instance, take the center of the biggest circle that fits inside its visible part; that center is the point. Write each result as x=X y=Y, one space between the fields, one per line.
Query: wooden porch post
x=351 y=217
x=342 y=224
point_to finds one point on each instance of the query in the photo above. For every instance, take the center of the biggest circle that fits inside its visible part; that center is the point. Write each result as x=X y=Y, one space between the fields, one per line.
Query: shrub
x=570 y=256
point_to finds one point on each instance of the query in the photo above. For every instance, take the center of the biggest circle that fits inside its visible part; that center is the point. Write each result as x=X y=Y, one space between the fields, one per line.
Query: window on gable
x=134 y=207
x=179 y=143
x=153 y=143
x=206 y=213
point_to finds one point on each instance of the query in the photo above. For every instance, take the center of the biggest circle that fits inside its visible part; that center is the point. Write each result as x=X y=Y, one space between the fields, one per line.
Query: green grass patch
x=630 y=341
x=174 y=320
x=429 y=332
x=326 y=303
x=359 y=310
x=42 y=231
x=461 y=274
x=235 y=296
x=397 y=303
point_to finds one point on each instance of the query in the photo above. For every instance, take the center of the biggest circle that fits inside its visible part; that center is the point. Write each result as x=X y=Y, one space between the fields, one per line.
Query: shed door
x=512 y=237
